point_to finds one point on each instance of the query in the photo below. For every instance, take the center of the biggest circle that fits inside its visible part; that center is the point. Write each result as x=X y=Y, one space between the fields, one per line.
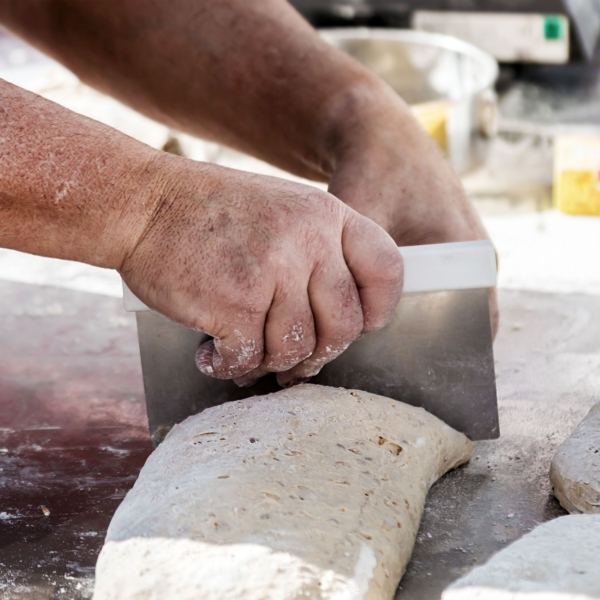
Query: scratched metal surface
x=73 y=436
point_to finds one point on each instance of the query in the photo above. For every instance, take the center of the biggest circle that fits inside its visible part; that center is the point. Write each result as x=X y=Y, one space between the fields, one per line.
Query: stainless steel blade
x=436 y=353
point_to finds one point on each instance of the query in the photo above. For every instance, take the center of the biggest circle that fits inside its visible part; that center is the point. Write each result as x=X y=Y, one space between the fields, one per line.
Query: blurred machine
x=513 y=31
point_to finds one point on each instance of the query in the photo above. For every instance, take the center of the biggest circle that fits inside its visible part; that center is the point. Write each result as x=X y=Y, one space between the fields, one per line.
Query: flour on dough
x=575 y=469
x=312 y=493
x=558 y=560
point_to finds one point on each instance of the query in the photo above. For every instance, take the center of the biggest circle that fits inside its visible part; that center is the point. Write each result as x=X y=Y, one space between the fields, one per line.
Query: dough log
x=575 y=469
x=308 y=493
x=558 y=560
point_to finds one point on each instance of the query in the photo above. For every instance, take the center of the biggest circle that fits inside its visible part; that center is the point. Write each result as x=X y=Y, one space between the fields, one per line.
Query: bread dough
x=575 y=469
x=311 y=492
x=556 y=561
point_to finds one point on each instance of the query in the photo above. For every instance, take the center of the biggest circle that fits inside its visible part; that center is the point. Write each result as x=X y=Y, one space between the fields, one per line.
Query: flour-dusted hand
x=282 y=275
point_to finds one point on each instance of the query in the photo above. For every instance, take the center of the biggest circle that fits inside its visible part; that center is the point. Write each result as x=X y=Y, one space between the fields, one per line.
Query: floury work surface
x=73 y=436
x=548 y=375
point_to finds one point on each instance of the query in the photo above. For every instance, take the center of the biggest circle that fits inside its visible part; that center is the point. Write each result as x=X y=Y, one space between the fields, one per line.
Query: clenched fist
x=283 y=276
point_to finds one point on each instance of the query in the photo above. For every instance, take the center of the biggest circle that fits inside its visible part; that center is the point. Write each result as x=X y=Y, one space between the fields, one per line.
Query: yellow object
x=433 y=116
x=577 y=174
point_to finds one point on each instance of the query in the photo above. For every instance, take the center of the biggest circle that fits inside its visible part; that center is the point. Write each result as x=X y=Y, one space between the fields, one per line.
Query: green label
x=553 y=27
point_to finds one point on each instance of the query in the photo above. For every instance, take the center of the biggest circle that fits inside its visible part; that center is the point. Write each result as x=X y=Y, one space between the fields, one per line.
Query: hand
x=391 y=171
x=282 y=275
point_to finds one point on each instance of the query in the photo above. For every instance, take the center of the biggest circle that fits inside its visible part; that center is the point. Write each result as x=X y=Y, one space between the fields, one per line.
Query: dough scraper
x=435 y=353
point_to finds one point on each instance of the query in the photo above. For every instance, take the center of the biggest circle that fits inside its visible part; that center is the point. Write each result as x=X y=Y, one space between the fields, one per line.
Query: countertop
x=73 y=436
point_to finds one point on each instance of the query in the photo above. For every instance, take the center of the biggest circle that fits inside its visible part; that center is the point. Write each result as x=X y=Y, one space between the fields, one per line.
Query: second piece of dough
x=310 y=492
x=556 y=561
x=575 y=469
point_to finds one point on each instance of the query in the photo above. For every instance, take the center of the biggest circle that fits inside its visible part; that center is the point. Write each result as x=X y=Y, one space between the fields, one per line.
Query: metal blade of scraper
x=435 y=353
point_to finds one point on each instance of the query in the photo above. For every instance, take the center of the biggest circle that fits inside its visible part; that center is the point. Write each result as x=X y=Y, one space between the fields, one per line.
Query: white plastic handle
x=455 y=266
x=131 y=302
x=436 y=267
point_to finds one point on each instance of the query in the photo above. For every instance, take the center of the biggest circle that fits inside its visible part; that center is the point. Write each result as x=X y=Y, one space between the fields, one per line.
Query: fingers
x=356 y=293
x=364 y=296
x=338 y=318
x=377 y=268
x=354 y=285
x=290 y=334
x=234 y=353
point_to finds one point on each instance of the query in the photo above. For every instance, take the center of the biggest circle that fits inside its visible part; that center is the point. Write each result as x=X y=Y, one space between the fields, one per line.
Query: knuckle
x=300 y=335
x=390 y=267
x=335 y=345
x=294 y=347
x=282 y=362
x=350 y=333
x=307 y=348
x=348 y=292
x=314 y=364
x=355 y=329
x=353 y=322
x=224 y=370
x=238 y=359
x=252 y=309
x=350 y=323
x=293 y=355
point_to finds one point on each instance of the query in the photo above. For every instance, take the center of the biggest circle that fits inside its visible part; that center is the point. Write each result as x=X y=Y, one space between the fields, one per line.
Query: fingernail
x=204 y=358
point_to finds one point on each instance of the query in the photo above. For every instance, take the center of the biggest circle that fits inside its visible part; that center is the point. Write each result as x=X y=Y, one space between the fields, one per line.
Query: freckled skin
x=69 y=185
x=214 y=248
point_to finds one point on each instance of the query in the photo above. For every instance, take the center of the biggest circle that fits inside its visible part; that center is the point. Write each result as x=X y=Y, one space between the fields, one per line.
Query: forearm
x=252 y=75
x=69 y=187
